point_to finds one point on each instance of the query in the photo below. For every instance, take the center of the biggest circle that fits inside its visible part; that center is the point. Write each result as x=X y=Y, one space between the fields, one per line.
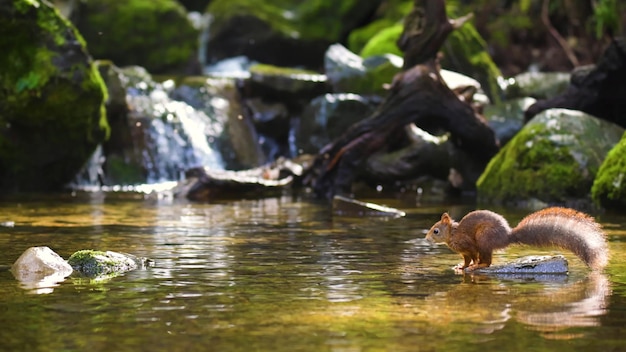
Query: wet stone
x=530 y=265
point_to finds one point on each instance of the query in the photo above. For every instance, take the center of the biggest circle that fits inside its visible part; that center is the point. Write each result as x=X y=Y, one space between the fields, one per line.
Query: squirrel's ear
x=445 y=217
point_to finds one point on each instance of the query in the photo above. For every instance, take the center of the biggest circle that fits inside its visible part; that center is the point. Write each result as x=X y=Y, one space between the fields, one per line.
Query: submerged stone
x=92 y=263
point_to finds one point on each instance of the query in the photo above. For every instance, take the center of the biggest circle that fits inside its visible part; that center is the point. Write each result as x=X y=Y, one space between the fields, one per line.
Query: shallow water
x=283 y=274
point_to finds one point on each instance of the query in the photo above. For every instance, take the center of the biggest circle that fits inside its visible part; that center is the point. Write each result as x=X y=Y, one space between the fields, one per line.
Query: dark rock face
x=51 y=99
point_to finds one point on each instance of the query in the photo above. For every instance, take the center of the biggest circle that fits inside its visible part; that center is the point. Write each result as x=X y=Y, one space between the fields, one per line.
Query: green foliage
x=606 y=16
x=384 y=42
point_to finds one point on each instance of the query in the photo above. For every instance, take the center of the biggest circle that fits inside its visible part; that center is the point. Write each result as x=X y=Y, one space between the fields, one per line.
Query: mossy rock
x=465 y=51
x=282 y=32
x=154 y=34
x=52 y=113
x=93 y=263
x=554 y=158
x=349 y=73
x=609 y=187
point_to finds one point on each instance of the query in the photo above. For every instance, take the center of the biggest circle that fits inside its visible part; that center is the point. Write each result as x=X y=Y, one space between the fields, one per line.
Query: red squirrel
x=481 y=232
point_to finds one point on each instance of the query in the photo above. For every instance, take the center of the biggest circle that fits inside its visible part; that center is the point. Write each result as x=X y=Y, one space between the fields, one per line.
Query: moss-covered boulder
x=554 y=159
x=98 y=264
x=52 y=113
x=282 y=32
x=609 y=187
x=155 y=34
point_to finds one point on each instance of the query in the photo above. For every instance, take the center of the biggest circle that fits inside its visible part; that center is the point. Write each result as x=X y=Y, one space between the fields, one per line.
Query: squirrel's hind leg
x=483 y=261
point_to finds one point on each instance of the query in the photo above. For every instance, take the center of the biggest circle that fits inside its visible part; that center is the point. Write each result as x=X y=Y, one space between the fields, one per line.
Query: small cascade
x=166 y=137
x=176 y=136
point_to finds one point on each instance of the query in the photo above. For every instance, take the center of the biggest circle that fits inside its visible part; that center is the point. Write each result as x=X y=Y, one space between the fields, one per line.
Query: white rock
x=36 y=263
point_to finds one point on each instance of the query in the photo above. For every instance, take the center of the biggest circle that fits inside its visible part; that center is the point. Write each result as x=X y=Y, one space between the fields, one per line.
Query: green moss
x=466 y=52
x=326 y=20
x=384 y=42
x=276 y=70
x=51 y=98
x=121 y=172
x=393 y=14
x=609 y=187
x=94 y=263
x=532 y=166
x=154 y=34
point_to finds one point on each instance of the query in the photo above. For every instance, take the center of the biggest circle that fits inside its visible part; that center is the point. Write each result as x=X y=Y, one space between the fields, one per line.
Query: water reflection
x=283 y=274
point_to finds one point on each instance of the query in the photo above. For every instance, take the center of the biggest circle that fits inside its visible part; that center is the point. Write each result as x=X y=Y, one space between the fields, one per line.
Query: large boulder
x=52 y=113
x=154 y=34
x=553 y=159
x=283 y=33
x=609 y=187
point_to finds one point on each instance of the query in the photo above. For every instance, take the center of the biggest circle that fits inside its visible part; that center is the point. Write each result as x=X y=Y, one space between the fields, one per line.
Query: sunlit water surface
x=283 y=274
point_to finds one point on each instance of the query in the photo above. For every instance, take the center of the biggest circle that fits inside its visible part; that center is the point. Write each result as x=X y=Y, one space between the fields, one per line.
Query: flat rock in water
x=550 y=265
x=93 y=264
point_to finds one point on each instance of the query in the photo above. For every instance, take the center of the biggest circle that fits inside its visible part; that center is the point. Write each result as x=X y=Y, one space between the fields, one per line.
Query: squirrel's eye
x=436 y=231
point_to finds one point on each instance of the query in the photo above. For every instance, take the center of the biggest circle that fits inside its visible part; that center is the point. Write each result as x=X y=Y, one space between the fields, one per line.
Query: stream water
x=284 y=274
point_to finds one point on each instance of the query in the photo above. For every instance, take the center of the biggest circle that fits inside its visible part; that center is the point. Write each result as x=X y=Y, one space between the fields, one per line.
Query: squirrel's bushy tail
x=567 y=229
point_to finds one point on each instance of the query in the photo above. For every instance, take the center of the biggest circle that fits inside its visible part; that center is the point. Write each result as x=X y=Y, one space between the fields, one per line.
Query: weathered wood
x=597 y=90
x=426 y=28
x=417 y=95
